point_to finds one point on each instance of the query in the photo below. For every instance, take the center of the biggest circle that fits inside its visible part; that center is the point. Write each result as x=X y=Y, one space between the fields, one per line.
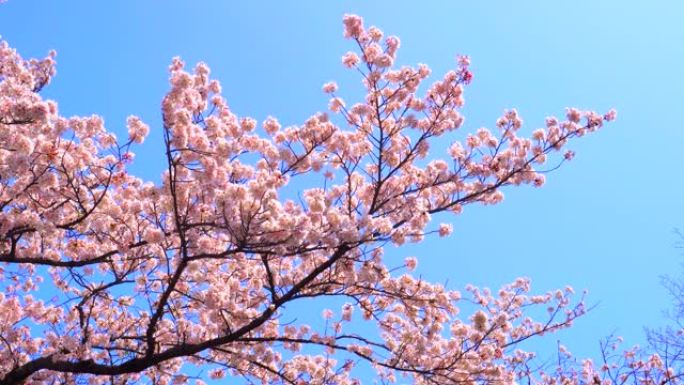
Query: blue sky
x=603 y=222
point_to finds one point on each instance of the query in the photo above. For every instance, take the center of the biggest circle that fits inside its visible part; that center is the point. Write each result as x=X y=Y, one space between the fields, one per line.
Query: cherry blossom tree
x=660 y=362
x=668 y=341
x=108 y=279
x=615 y=366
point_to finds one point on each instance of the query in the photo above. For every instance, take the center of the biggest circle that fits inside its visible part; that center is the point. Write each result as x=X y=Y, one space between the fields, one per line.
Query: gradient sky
x=603 y=222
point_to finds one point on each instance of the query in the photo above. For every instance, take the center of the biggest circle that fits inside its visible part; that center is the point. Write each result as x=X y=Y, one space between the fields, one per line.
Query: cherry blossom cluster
x=147 y=281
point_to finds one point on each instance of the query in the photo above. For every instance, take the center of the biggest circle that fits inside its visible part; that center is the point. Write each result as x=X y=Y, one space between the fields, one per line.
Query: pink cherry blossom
x=330 y=87
x=445 y=229
x=137 y=130
x=610 y=115
x=411 y=263
x=350 y=59
x=353 y=26
x=271 y=125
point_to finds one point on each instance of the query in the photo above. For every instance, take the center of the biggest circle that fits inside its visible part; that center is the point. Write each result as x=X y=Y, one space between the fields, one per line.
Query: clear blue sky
x=603 y=222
